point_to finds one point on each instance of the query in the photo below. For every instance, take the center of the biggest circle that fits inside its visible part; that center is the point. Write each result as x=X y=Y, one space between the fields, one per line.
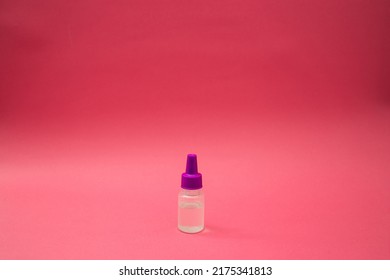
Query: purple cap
x=191 y=179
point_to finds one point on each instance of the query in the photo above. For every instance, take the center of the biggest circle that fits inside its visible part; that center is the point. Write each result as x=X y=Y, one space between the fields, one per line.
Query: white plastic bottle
x=191 y=199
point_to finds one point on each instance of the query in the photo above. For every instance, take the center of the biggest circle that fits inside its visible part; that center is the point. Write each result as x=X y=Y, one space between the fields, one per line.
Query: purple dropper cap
x=191 y=179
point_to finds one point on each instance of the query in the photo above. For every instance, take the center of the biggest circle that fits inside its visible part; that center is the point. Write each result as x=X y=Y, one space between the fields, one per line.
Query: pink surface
x=286 y=104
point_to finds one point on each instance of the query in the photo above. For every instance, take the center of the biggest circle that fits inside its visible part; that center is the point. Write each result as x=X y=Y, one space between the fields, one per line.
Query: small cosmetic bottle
x=191 y=199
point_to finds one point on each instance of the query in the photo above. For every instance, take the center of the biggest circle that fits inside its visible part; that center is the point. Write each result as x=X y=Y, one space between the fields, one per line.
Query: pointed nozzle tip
x=192 y=164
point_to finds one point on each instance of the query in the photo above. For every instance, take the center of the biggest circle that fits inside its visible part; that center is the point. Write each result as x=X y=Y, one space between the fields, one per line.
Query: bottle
x=191 y=198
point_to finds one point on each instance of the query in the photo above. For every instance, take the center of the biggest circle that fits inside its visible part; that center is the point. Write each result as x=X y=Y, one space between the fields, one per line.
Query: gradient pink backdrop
x=286 y=103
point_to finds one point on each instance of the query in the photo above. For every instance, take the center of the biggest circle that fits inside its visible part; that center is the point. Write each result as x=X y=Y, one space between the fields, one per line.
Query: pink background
x=286 y=103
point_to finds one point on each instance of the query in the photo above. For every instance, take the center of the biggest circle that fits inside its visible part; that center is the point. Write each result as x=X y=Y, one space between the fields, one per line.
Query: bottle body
x=191 y=210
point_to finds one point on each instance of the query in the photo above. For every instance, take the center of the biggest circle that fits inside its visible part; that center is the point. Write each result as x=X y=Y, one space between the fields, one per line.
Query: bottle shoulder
x=185 y=192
